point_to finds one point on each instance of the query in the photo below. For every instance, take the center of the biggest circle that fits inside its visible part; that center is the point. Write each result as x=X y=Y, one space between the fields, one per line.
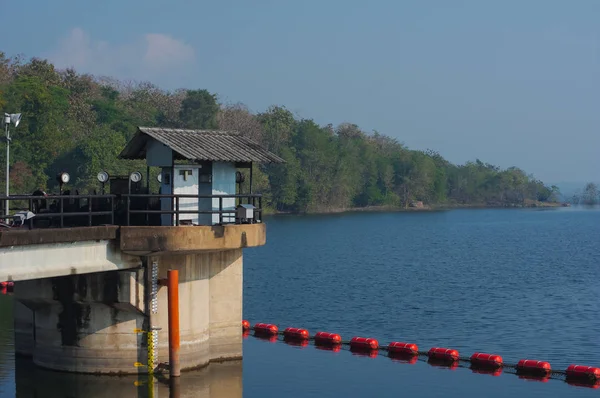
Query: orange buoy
x=443 y=354
x=296 y=334
x=245 y=325
x=533 y=367
x=265 y=329
x=324 y=338
x=580 y=372
x=481 y=360
x=363 y=344
x=400 y=348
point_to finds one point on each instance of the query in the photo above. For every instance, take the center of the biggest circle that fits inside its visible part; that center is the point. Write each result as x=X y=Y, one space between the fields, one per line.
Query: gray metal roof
x=211 y=145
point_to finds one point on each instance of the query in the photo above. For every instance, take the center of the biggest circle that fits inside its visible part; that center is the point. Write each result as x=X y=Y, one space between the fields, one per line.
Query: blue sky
x=512 y=82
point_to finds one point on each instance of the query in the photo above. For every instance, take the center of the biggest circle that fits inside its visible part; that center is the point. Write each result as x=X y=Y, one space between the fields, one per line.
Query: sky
x=512 y=82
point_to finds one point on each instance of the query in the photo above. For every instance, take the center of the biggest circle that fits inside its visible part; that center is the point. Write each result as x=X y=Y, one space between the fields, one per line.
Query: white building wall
x=223 y=183
x=185 y=182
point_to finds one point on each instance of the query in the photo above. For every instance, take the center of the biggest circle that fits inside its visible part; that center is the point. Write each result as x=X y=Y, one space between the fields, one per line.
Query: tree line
x=79 y=123
x=590 y=195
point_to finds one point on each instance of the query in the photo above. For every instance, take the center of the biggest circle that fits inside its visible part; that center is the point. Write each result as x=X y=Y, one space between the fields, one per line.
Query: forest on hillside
x=79 y=123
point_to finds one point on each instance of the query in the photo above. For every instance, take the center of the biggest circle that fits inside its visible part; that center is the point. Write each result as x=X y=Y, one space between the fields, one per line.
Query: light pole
x=9 y=118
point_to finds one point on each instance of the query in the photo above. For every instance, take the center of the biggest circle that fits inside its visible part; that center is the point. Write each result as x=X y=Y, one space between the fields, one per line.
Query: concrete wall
x=84 y=323
x=87 y=323
x=210 y=306
x=19 y=263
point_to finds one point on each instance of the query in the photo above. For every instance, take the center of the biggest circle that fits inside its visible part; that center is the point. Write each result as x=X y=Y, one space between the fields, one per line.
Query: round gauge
x=64 y=177
x=102 y=176
x=159 y=177
x=136 y=176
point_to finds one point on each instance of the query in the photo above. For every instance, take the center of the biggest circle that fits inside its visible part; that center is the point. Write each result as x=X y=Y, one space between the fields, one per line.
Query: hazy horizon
x=511 y=83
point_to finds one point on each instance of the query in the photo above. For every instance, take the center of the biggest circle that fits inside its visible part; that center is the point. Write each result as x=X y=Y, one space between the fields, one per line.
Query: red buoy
x=245 y=334
x=324 y=338
x=265 y=328
x=363 y=344
x=245 y=325
x=533 y=366
x=443 y=354
x=296 y=334
x=579 y=372
x=400 y=348
x=482 y=360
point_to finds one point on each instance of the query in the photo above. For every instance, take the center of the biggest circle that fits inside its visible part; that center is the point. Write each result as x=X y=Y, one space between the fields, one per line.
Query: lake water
x=519 y=283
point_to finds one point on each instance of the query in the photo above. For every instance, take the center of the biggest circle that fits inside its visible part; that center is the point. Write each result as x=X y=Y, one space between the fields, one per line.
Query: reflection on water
x=219 y=380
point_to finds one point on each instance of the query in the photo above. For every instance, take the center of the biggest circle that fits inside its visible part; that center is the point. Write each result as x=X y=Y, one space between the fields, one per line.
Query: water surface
x=520 y=283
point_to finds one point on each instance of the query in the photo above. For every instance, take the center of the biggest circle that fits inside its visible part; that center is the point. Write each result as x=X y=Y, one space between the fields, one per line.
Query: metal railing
x=154 y=202
x=59 y=211
x=63 y=210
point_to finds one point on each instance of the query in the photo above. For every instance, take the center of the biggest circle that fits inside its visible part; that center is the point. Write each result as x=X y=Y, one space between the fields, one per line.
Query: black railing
x=59 y=211
x=152 y=206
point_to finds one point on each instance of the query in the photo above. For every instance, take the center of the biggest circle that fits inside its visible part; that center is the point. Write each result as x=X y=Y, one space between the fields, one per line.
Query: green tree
x=199 y=110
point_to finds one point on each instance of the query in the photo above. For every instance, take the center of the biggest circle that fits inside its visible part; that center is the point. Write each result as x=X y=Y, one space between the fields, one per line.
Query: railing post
x=220 y=210
x=112 y=210
x=31 y=210
x=127 y=209
x=62 y=221
x=260 y=207
x=177 y=211
x=90 y=211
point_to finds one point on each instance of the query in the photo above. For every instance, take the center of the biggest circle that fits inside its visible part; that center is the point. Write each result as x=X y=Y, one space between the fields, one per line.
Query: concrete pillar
x=91 y=323
x=210 y=306
x=23 y=321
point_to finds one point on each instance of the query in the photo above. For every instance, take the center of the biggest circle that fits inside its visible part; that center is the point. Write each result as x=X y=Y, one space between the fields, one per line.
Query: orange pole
x=173 y=286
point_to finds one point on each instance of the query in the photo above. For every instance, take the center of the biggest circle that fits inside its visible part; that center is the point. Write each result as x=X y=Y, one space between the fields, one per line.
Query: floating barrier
x=327 y=339
x=296 y=334
x=398 y=348
x=266 y=329
x=481 y=360
x=533 y=367
x=245 y=325
x=481 y=363
x=443 y=354
x=587 y=373
x=363 y=344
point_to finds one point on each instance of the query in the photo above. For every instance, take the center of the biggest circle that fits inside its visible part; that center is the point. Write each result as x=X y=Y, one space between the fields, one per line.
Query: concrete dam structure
x=90 y=271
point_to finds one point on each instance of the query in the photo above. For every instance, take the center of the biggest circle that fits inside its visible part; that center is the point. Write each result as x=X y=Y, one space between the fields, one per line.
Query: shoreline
x=397 y=209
